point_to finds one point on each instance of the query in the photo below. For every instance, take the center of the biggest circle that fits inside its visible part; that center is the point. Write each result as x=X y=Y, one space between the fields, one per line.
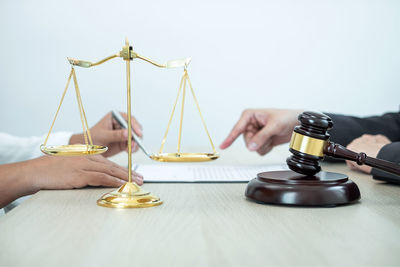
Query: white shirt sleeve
x=14 y=149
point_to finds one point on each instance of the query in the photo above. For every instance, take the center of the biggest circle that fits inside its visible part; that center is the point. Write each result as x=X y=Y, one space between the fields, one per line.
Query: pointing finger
x=237 y=130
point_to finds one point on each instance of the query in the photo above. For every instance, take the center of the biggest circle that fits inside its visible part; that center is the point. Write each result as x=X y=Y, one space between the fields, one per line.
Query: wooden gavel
x=310 y=143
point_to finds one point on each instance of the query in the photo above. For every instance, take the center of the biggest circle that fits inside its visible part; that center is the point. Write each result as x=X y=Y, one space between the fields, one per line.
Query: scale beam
x=127 y=53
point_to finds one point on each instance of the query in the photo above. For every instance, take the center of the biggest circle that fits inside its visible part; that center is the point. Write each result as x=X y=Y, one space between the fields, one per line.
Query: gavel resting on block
x=305 y=184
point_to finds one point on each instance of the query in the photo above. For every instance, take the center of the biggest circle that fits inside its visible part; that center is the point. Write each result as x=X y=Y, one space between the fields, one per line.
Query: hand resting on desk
x=47 y=172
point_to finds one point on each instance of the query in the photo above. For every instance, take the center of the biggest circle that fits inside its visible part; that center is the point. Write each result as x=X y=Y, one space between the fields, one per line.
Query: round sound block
x=291 y=188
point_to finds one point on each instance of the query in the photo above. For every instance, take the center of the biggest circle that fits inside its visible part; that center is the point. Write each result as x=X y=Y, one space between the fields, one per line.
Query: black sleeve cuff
x=390 y=152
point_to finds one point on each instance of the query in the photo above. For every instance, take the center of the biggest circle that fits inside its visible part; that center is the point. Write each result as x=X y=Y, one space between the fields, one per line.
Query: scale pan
x=73 y=150
x=184 y=157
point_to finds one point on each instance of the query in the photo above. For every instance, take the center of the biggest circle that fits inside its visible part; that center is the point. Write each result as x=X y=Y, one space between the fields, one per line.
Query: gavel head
x=308 y=142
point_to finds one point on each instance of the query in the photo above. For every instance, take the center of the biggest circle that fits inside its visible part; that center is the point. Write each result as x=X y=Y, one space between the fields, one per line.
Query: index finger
x=237 y=130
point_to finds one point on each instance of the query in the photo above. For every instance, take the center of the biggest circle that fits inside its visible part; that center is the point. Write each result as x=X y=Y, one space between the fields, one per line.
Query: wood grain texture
x=203 y=225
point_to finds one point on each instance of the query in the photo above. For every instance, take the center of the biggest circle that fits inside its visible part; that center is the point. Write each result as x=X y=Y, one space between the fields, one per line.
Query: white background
x=336 y=56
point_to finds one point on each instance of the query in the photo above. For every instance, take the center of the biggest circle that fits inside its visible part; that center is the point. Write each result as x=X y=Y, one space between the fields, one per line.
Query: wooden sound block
x=291 y=188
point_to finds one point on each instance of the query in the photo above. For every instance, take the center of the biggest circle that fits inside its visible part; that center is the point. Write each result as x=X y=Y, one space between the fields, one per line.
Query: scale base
x=291 y=188
x=129 y=195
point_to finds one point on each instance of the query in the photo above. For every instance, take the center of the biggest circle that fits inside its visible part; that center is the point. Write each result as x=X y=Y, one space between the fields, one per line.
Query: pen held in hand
x=122 y=122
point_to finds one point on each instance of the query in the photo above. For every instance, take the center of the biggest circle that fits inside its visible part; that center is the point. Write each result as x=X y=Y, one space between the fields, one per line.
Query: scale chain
x=59 y=106
x=86 y=131
x=185 y=78
x=201 y=116
x=172 y=115
x=182 y=111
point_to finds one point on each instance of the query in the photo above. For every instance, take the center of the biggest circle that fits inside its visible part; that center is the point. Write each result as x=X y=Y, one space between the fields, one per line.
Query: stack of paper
x=200 y=173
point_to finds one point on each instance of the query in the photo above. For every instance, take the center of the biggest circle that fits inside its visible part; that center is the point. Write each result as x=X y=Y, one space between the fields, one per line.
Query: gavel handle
x=340 y=152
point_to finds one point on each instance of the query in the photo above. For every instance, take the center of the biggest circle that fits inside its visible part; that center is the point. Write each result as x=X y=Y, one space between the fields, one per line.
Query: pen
x=122 y=122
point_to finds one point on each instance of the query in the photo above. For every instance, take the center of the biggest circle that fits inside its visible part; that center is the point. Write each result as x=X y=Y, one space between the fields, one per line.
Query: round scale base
x=129 y=195
x=291 y=188
x=185 y=157
x=73 y=150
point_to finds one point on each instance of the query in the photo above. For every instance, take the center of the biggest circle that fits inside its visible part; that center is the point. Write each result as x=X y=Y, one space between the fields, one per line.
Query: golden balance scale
x=129 y=195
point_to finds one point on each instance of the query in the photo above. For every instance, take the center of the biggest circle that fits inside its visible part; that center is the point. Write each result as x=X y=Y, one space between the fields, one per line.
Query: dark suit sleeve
x=347 y=128
x=390 y=152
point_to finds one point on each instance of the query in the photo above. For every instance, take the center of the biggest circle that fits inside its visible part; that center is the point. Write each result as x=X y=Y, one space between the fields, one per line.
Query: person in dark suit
x=377 y=136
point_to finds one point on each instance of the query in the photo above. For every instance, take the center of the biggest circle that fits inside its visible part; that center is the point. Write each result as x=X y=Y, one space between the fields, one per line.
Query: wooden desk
x=203 y=225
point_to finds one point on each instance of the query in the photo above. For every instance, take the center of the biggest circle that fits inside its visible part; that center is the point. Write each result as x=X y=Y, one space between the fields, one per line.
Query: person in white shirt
x=24 y=170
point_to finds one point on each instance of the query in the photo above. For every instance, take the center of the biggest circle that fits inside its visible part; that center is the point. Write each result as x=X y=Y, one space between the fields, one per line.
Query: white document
x=197 y=173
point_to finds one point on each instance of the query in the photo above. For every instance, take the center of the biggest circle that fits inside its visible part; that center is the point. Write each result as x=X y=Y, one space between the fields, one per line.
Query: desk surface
x=203 y=225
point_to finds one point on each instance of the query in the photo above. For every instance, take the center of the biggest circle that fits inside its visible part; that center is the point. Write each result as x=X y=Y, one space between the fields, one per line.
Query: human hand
x=49 y=172
x=108 y=132
x=370 y=145
x=263 y=129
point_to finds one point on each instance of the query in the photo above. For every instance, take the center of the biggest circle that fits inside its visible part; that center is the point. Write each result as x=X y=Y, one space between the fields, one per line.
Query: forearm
x=15 y=182
x=16 y=149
